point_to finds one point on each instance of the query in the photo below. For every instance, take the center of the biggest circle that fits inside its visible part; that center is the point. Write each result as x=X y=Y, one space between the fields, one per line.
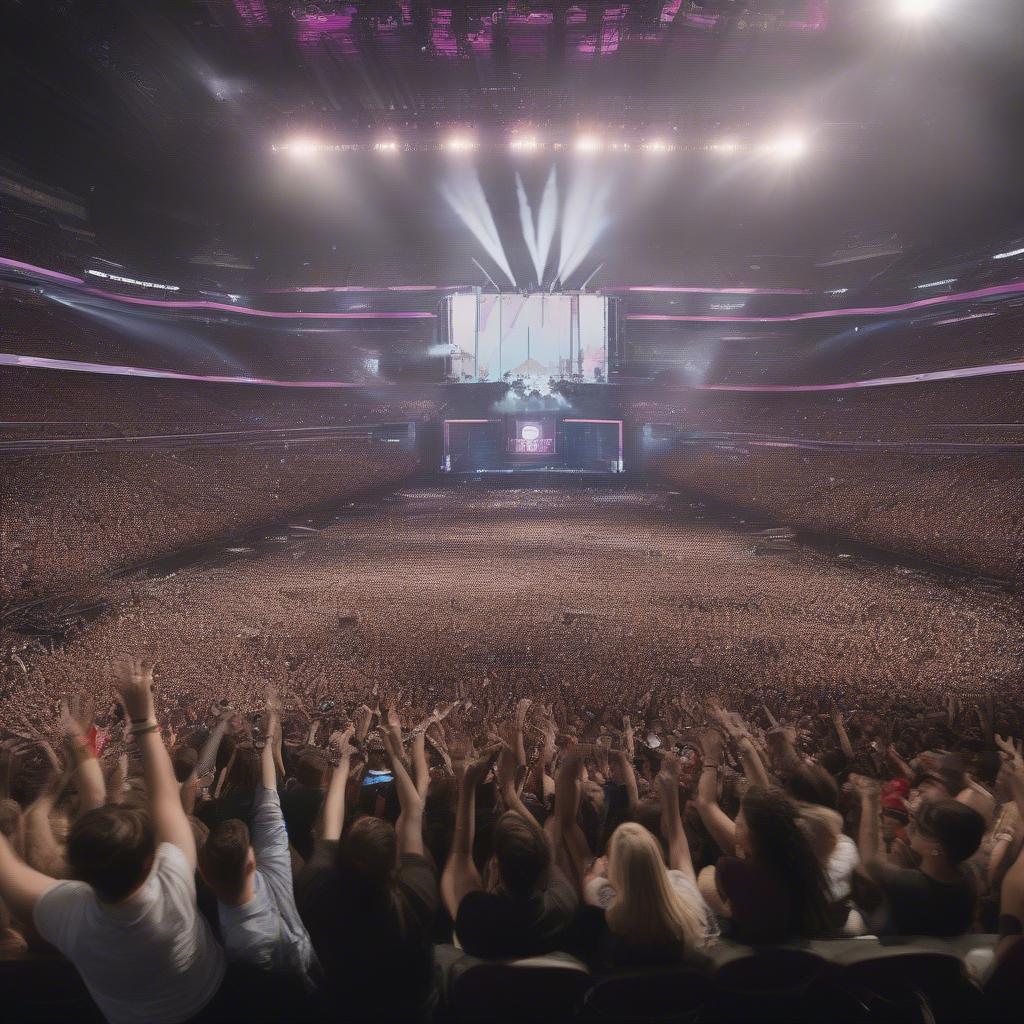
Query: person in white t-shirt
x=129 y=923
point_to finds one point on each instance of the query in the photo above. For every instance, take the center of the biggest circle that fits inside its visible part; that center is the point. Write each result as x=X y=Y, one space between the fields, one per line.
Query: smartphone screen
x=377 y=778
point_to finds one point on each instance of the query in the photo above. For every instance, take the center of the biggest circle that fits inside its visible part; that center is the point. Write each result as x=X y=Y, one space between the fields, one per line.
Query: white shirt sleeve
x=270 y=836
x=58 y=913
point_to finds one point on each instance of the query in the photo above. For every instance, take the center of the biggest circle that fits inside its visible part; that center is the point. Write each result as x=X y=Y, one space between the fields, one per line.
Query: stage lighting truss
x=784 y=147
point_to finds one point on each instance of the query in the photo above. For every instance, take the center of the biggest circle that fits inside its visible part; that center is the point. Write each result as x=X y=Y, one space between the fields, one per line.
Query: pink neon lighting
x=708 y=291
x=249 y=311
x=1014 y=288
x=33 y=269
x=45 y=363
x=73 y=365
x=367 y=288
x=1010 y=288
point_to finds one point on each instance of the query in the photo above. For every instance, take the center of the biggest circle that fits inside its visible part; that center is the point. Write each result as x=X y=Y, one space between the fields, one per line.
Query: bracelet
x=142 y=730
x=704 y=768
x=141 y=721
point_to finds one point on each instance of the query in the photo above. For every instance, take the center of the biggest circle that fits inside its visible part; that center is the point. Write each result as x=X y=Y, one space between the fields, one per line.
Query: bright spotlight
x=524 y=144
x=303 y=148
x=724 y=146
x=459 y=144
x=787 y=147
x=385 y=146
x=917 y=10
x=588 y=144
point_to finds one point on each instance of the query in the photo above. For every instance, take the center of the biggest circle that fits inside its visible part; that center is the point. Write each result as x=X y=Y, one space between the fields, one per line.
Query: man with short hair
x=251 y=876
x=129 y=922
x=938 y=897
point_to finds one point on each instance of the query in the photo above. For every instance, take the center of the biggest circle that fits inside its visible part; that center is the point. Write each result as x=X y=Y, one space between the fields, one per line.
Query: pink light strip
x=249 y=311
x=368 y=288
x=46 y=363
x=33 y=269
x=708 y=291
x=874 y=382
x=1013 y=288
x=73 y=365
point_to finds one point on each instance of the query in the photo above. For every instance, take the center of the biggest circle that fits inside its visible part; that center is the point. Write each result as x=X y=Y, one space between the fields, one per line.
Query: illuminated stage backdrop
x=561 y=335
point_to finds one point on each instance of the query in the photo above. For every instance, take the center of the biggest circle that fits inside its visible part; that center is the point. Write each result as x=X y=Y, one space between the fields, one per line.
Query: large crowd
x=348 y=857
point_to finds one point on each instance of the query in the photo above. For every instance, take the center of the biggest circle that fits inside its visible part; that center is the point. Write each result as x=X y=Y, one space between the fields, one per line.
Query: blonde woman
x=644 y=912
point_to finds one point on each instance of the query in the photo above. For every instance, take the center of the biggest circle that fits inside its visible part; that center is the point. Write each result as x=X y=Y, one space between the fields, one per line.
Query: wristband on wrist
x=141 y=730
x=82 y=751
x=141 y=721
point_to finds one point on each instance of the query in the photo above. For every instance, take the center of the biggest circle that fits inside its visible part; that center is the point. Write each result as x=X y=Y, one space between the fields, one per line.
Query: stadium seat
x=666 y=996
x=771 y=983
x=909 y=981
x=542 y=988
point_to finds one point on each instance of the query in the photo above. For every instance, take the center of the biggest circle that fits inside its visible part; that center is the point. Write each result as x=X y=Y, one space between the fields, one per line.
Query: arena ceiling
x=161 y=114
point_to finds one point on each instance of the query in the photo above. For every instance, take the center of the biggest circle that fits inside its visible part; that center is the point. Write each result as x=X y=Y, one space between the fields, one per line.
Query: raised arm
x=903 y=770
x=569 y=839
x=839 y=724
x=716 y=821
x=208 y=755
x=679 y=858
x=625 y=774
x=735 y=728
x=507 y=759
x=333 y=819
x=134 y=683
x=543 y=784
x=460 y=875
x=268 y=763
x=869 y=834
x=420 y=768
x=409 y=827
x=522 y=710
x=1012 y=754
x=20 y=885
x=75 y=722
x=42 y=851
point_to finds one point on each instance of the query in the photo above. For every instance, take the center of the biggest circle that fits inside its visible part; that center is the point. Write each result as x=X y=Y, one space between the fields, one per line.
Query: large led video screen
x=539 y=335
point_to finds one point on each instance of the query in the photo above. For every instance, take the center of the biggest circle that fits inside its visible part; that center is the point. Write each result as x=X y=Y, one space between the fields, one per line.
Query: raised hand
x=865 y=786
x=363 y=717
x=668 y=775
x=628 y=742
x=341 y=742
x=475 y=771
x=133 y=681
x=1011 y=750
x=393 y=722
x=273 y=699
x=76 y=717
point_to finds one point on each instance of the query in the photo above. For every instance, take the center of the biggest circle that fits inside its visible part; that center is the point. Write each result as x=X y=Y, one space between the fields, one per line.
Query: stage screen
x=539 y=335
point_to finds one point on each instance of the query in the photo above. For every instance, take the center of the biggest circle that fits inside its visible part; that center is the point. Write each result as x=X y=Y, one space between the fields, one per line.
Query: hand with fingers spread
x=76 y=716
x=133 y=681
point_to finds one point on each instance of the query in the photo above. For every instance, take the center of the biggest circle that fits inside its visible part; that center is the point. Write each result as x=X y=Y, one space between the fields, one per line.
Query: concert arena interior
x=511 y=511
